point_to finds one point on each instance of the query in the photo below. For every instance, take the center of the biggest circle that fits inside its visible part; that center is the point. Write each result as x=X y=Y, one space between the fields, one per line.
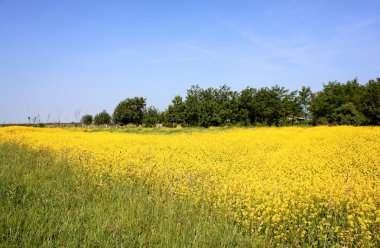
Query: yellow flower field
x=319 y=183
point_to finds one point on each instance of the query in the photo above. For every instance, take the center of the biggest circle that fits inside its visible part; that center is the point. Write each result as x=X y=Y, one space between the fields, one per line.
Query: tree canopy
x=102 y=118
x=130 y=110
x=87 y=119
x=349 y=103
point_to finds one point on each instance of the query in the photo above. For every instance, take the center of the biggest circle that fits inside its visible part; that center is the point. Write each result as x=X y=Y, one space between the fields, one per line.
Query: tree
x=130 y=110
x=323 y=105
x=102 y=118
x=77 y=115
x=347 y=114
x=152 y=117
x=36 y=119
x=227 y=105
x=291 y=107
x=209 y=111
x=245 y=101
x=175 y=114
x=211 y=106
x=304 y=96
x=87 y=119
x=269 y=104
x=59 y=115
x=371 y=102
x=192 y=103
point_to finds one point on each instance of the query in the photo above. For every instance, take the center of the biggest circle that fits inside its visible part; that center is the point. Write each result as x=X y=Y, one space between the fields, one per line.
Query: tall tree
x=371 y=102
x=192 y=110
x=175 y=114
x=152 y=117
x=304 y=96
x=270 y=106
x=246 y=107
x=292 y=108
x=334 y=94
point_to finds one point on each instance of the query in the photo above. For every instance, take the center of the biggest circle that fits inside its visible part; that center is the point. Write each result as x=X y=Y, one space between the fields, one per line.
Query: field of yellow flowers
x=317 y=184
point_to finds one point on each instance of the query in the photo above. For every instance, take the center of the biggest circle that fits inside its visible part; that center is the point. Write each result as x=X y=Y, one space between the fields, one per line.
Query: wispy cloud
x=366 y=23
x=294 y=48
x=197 y=54
x=253 y=38
x=171 y=60
x=216 y=55
x=201 y=50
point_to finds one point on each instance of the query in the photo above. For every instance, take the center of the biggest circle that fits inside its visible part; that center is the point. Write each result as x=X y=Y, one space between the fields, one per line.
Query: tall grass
x=47 y=202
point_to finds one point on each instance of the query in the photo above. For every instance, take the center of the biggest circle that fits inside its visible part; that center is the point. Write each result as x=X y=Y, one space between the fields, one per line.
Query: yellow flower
x=267 y=179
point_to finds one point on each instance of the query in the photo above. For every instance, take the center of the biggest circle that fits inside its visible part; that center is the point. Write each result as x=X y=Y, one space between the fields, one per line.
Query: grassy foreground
x=44 y=202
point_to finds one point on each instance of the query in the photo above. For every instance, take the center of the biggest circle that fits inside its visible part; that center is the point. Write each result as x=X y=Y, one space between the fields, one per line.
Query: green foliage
x=328 y=104
x=264 y=106
x=277 y=106
x=272 y=105
x=102 y=118
x=347 y=114
x=247 y=113
x=305 y=95
x=217 y=106
x=130 y=110
x=152 y=117
x=193 y=106
x=204 y=107
x=46 y=202
x=175 y=114
x=371 y=102
x=87 y=119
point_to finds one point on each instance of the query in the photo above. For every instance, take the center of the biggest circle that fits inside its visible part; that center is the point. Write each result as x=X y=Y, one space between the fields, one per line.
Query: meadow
x=288 y=186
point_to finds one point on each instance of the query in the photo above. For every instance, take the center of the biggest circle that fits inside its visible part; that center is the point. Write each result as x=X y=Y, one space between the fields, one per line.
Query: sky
x=58 y=58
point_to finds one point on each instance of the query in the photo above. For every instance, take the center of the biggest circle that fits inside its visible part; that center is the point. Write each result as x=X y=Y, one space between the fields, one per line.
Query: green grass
x=145 y=130
x=46 y=202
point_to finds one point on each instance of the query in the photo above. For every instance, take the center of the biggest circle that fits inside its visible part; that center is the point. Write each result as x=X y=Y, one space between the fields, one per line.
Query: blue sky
x=57 y=57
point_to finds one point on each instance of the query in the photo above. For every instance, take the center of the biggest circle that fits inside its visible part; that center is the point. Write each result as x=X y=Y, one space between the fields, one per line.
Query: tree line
x=349 y=103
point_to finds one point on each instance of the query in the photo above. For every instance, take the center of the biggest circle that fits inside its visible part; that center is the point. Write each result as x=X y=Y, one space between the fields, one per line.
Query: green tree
x=270 y=105
x=192 y=106
x=291 y=106
x=371 y=102
x=247 y=112
x=152 y=117
x=102 y=118
x=209 y=110
x=228 y=108
x=130 y=110
x=87 y=119
x=347 y=114
x=334 y=94
x=175 y=114
x=304 y=96
x=211 y=106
